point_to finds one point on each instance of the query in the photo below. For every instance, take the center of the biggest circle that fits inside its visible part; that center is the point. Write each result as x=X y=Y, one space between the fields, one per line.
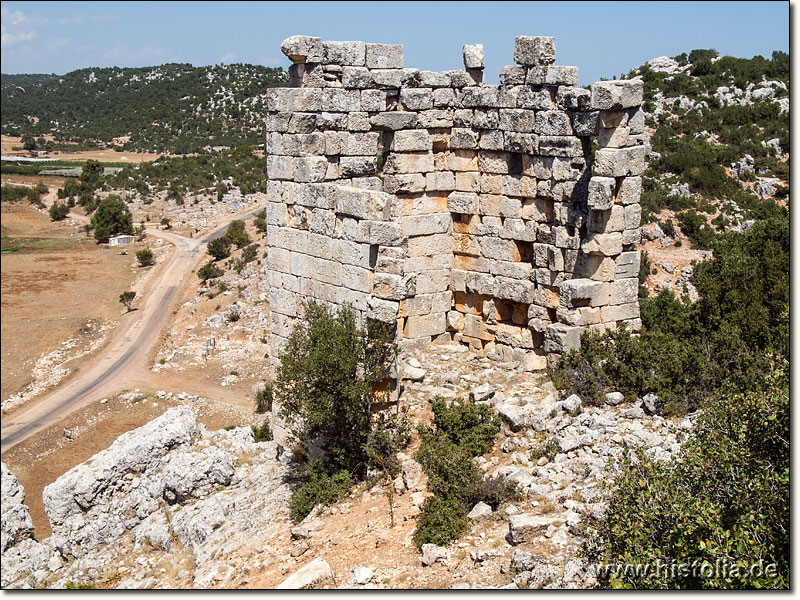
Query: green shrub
x=694 y=227
x=264 y=399
x=318 y=486
x=469 y=425
x=111 y=218
x=724 y=502
x=390 y=434
x=326 y=383
x=59 y=211
x=237 y=235
x=443 y=520
x=262 y=433
x=209 y=271
x=219 y=248
x=548 y=449
x=145 y=257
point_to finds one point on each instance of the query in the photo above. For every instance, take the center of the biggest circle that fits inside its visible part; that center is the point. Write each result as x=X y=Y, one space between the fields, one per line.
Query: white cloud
x=270 y=61
x=228 y=58
x=123 y=56
x=15 y=28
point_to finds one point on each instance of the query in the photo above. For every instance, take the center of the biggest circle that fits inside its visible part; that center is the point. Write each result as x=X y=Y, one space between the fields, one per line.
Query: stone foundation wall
x=505 y=217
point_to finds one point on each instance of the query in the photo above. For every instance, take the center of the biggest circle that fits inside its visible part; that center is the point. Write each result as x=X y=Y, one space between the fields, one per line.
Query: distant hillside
x=719 y=135
x=174 y=108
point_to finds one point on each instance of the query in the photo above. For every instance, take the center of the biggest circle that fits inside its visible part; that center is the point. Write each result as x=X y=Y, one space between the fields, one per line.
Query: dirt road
x=126 y=359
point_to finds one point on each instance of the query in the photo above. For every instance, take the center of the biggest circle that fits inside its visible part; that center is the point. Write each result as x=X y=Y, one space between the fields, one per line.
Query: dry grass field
x=54 y=280
x=12 y=146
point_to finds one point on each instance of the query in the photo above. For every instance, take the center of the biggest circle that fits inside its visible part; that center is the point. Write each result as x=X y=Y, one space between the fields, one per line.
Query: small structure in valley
x=120 y=240
x=465 y=212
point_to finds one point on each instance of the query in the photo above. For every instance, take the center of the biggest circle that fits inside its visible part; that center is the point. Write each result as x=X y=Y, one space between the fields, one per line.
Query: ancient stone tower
x=505 y=217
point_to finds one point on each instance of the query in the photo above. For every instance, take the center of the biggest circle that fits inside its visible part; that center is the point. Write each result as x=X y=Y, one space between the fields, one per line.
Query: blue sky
x=602 y=38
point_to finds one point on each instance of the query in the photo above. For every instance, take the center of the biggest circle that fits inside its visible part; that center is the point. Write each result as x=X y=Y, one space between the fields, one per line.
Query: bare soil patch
x=12 y=146
x=52 y=285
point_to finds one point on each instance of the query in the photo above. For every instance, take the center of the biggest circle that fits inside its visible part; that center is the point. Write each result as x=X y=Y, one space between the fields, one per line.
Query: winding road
x=126 y=355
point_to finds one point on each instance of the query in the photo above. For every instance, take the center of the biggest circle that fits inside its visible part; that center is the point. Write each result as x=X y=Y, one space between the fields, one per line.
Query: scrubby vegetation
x=460 y=432
x=174 y=108
x=688 y=353
x=326 y=385
x=717 y=518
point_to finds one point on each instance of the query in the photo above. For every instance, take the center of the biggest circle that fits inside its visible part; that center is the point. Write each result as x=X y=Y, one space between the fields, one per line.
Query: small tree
x=219 y=248
x=237 y=234
x=111 y=218
x=325 y=385
x=209 y=271
x=59 y=211
x=126 y=298
x=145 y=257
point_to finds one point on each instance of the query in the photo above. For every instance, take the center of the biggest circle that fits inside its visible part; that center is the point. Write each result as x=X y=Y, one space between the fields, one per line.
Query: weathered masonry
x=504 y=216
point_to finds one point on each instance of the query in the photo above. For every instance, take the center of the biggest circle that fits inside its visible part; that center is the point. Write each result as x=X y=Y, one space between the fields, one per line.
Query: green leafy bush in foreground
x=461 y=431
x=718 y=517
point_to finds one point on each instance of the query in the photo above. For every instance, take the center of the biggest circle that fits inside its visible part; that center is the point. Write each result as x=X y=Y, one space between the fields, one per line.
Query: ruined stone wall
x=469 y=212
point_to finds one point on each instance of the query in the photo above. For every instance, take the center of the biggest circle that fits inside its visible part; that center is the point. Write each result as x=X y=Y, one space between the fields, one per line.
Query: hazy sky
x=602 y=38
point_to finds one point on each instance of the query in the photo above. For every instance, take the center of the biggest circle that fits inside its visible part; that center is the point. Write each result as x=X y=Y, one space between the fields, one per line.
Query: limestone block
x=425 y=325
x=304 y=144
x=416 y=98
x=358 y=121
x=475 y=327
x=326 y=121
x=618 y=94
x=633 y=216
x=510 y=269
x=362 y=204
x=619 y=162
x=276 y=214
x=394 y=120
x=620 y=312
x=572 y=98
x=462 y=160
x=559 y=75
x=278 y=121
x=280 y=167
x=514 y=289
x=636 y=120
x=607 y=221
x=431 y=282
x=575 y=293
x=425 y=224
x=630 y=190
x=344 y=53
x=468 y=182
x=340 y=100
x=387 y=78
x=390 y=287
x=356 y=78
x=415 y=140
x=537 y=209
x=494 y=162
x=611 y=119
x=512 y=75
x=302 y=48
x=373 y=100
x=455 y=321
x=488 y=118
x=314 y=196
x=479 y=97
x=609 y=244
x=462 y=202
x=632 y=237
x=560 y=338
x=429 y=245
x=613 y=138
x=461 y=138
x=601 y=193
x=481 y=283
x=586 y=315
x=434 y=79
x=560 y=146
x=410 y=162
x=566 y=239
x=459 y=78
x=521 y=143
x=444 y=97
x=595 y=266
x=516 y=337
x=473 y=56
x=623 y=291
x=534 y=99
x=553 y=122
x=384 y=56
x=518 y=229
x=302 y=123
x=518 y=119
x=382 y=310
x=500 y=206
x=627 y=264
x=360 y=144
x=407 y=183
x=534 y=51
x=435 y=118
x=585 y=123
x=358 y=166
x=443 y=181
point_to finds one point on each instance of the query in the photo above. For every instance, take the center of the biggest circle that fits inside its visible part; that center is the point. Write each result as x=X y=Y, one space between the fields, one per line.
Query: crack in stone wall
x=505 y=217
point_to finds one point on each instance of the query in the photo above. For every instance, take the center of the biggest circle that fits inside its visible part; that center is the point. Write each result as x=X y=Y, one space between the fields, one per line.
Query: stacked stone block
x=463 y=211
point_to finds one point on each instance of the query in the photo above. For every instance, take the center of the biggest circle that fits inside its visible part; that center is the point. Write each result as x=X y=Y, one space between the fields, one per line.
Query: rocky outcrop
x=16 y=520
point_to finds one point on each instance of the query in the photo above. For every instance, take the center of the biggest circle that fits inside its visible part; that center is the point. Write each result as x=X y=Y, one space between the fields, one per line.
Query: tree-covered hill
x=173 y=108
x=719 y=135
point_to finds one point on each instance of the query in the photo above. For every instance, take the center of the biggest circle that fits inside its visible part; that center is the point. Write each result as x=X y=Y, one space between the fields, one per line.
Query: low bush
x=59 y=211
x=318 y=486
x=725 y=502
x=262 y=433
x=145 y=257
x=264 y=399
x=209 y=271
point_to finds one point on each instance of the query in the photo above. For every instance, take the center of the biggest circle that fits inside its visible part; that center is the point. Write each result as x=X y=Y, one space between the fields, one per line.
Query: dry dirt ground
x=52 y=286
x=12 y=146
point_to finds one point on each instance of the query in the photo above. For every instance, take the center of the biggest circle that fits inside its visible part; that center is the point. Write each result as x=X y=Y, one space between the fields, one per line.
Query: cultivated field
x=12 y=146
